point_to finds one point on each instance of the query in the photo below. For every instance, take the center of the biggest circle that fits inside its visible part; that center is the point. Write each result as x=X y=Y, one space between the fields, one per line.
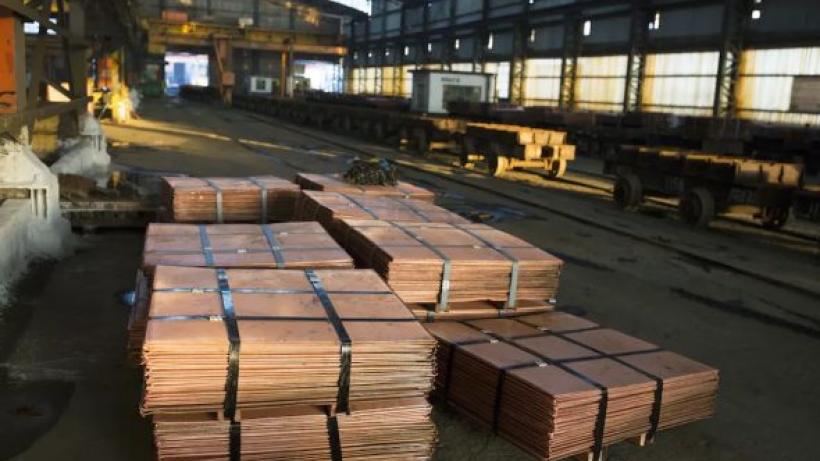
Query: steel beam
x=11 y=123
x=569 y=61
x=736 y=16
x=12 y=63
x=636 y=61
x=33 y=14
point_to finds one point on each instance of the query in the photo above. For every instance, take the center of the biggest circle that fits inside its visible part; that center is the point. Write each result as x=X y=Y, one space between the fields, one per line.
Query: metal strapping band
x=334 y=438
x=415 y=210
x=444 y=294
x=219 y=211
x=219 y=318
x=362 y=206
x=346 y=343
x=264 y=196
x=655 y=416
x=275 y=246
x=206 y=245
x=239 y=250
x=499 y=388
x=269 y=291
x=513 y=290
x=229 y=318
x=235 y=441
x=600 y=419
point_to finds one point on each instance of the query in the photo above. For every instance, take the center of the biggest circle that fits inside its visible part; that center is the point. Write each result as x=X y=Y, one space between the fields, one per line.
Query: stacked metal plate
x=225 y=200
x=397 y=429
x=292 y=326
x=259 y=364
x=330 y=207
x=297 y=245
x=558 y=385
x=335 y=183
x=442 y=263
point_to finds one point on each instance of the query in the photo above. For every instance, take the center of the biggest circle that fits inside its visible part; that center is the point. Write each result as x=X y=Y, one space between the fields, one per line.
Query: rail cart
x=705 y=184
x=502 y=146
x=507 y=147
x=807 y=204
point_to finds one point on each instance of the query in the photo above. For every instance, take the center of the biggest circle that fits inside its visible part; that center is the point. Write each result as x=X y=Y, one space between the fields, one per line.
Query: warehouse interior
x=408 y=230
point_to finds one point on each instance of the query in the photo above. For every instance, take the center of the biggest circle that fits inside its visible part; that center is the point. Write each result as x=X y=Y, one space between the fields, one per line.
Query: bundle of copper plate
x=294 y=245
x=396 y=429
x=558 y=385
x=292 y=325
x=297 y=245
x=330 y=207
x=226 y=200
x=426 y=262
x=335 y=183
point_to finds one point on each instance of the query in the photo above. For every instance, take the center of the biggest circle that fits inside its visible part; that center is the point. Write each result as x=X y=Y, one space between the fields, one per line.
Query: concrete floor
x=65 y=393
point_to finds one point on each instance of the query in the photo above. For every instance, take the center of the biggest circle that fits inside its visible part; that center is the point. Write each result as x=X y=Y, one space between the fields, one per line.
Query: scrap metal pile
x=262 y=342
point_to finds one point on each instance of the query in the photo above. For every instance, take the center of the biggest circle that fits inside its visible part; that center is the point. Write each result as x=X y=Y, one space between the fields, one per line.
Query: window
x=655 y=24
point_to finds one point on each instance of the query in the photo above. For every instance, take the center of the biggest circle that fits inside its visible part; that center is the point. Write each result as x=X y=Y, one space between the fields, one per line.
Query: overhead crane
x=224 y=38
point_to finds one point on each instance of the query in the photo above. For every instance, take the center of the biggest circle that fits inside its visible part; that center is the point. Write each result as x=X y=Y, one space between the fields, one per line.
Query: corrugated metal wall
x=767 y=84
x=600 y=83
x=674 y=81
x=681 y=83
x=542 y=84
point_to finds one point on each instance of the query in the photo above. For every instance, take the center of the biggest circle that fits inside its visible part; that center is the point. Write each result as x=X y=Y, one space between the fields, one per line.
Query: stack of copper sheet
x=329 y=207
x=334 y=183
x=452 y=263
x=297 y=245
x=321 y=337
x=372 y=430
x=221 y=200
x=558 y=385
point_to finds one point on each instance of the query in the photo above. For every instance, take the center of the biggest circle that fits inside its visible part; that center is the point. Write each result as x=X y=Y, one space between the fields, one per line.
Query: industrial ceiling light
x=457 y=44
x=756 y=14
x=490 y=42
x=587 y=28
x=532 y=35
x=407 y=51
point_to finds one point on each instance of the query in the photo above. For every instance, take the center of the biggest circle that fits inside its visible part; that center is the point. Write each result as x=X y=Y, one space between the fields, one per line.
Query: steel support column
x=12 y=63
x=518 y=63
x=735 y=18
x=569 y=61
x=636 y=62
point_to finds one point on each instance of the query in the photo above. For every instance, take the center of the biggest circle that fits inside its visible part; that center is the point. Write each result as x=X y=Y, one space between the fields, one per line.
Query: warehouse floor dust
x=67 y=395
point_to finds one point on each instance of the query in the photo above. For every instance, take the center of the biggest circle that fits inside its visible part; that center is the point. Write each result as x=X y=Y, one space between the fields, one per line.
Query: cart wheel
x=421 y=142
x=378 y=131
x=497 y=164
x=467 y=149
x=557 y=169
x=628 y=192
x=697 y=207
x=774 y=217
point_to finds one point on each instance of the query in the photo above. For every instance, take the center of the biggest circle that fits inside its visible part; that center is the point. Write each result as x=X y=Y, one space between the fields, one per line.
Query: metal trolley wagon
x=705 y=184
